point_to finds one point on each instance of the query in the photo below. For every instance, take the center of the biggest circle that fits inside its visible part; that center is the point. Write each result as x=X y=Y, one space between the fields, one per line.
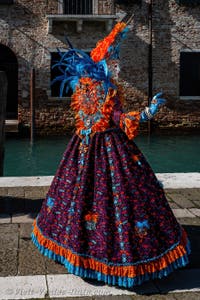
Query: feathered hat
x=108 y=48
x=75 y=64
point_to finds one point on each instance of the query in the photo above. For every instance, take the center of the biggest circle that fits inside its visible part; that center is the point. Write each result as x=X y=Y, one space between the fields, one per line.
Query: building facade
x=161 y=52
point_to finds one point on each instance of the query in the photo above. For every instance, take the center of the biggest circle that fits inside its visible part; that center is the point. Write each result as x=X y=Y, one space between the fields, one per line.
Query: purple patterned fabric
x=103 y=204
x=105 y=215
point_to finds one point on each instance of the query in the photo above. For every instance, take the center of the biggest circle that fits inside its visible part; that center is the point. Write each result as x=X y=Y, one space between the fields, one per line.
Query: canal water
x=164 y=153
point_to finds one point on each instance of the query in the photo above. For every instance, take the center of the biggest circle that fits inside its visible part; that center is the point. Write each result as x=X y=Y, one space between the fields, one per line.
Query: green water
x=164 y=153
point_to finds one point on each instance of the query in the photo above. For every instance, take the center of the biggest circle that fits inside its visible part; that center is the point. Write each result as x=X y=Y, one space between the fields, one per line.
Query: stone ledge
x=71 y=286
x=79 y=19
x=169 y=180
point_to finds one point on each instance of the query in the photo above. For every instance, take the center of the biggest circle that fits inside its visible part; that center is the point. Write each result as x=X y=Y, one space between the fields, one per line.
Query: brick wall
x=174 y=28
x=24 y=29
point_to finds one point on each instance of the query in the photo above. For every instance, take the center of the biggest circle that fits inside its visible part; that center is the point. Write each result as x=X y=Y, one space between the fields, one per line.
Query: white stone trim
x=68 y=285
x=73 y=286
x=183 y=213
x=79 y=19
x=188 y=98
x=23 y=287
x=169 y=180
x=180 y=180
x=95 y=7
x=25 y=181
x=189 y=50
x=60 y=7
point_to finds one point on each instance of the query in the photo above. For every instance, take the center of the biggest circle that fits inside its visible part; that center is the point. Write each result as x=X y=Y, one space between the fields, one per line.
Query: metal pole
x=32 y=105
x=3 y=96
x=150 y=67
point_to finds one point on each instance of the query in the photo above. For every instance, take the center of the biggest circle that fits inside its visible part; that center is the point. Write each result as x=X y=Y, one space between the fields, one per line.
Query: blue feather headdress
x=75 y=64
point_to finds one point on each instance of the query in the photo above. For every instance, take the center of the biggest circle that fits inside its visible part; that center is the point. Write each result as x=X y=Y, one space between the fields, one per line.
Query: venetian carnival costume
x=105 y=215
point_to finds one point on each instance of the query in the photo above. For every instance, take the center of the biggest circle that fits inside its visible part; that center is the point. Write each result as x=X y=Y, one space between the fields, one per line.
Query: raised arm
x=149 y=112
x=129 y=122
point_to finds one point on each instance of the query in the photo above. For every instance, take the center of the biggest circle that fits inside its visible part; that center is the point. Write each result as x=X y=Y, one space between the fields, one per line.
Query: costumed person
x=105 y=216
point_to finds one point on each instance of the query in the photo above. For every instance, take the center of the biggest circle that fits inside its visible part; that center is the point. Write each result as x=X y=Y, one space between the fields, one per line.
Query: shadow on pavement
x=187 y=278
x=13 y=205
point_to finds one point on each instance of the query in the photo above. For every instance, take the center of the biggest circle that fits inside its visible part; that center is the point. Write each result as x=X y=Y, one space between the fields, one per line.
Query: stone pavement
x=26 y=274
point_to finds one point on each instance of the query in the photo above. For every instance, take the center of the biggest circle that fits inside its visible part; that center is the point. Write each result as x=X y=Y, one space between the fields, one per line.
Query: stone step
x=182 y=284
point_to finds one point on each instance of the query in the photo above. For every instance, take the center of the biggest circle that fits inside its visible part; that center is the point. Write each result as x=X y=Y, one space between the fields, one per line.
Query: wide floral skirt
x=106 y=216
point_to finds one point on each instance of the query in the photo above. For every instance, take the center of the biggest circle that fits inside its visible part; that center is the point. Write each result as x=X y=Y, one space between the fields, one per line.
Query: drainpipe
x=150 y=68
x=32 y=105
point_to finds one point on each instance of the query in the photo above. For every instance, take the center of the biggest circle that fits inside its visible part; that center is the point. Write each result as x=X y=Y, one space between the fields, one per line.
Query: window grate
x=77 y=7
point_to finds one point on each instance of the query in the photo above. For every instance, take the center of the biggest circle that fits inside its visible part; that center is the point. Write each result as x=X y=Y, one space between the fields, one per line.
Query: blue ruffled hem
x=125 y=282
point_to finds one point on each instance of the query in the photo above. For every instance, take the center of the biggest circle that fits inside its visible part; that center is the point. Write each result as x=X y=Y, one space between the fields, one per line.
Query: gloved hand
x=149 y=112
x=156 y=102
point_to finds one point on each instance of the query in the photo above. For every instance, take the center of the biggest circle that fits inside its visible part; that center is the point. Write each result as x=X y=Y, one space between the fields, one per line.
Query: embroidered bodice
x=93 y=107
x=96 y=109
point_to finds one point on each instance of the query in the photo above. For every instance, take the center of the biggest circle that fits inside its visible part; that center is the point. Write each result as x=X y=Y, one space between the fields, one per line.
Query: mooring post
x=3 y=96
x=32 y=105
